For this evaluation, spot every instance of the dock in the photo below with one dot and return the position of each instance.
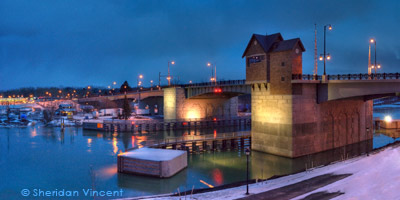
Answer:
(153, 126)
(204, 143)
(160, 163)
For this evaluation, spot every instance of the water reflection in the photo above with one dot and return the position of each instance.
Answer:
(265, 165)
(45, 158)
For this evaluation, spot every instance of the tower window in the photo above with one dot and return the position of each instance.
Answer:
(282, 78)
(283, 64)
(255, 59)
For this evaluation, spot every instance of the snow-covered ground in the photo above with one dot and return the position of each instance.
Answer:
(376, 176)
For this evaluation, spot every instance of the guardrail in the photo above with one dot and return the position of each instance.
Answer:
(379, 76)
(218, 83)
(203, 84)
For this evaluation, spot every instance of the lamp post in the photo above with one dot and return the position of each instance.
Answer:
(325, 55)
(247, 171)
(138, 88)
(114, 83)
(213, 72)
(88, 92)
(375, 65)
(151, 85)
(169, 75)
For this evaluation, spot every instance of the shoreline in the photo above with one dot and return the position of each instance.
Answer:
(269, 185)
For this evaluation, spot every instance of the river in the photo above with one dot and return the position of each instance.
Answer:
(46, 159)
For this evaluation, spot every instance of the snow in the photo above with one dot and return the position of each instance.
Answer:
(376, 176)
(153, 154)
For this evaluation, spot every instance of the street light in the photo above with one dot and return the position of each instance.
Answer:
(247, 151)
(138, 85)
(151, 85)
(213, 72)
(169, 75)
(325, 55)
(373, 41)
(113, 87)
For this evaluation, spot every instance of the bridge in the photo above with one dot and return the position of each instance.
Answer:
(195, 90)
(196, 101)
(345, 86)
(293, 114)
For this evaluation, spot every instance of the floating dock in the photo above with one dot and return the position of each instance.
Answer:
(162, 163)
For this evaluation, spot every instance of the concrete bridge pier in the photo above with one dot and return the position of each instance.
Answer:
(296, 125)
(288, 117)
(178, 107)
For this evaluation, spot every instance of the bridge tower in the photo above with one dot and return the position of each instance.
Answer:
(287, 119)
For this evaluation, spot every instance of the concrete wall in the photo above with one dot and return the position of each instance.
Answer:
(176, 106)
(271, 125)
(328, 125)
(295, 125)
(170, 102)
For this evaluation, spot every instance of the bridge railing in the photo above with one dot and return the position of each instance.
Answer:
(203, 84)
(378, 76)
(218, 83)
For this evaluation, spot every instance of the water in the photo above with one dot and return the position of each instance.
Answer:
(46, 159)
(382, 137)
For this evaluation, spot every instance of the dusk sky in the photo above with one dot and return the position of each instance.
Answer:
(80, 43)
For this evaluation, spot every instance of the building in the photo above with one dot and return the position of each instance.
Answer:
(65, 110)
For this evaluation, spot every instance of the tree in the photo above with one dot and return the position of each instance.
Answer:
(126, 109)
(125, 87)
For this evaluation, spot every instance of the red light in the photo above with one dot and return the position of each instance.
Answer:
(215, 119)
(217, 176)
(133, 123)
(217, 90)
(184, 123)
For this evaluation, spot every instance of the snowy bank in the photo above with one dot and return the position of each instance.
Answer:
(375, 176)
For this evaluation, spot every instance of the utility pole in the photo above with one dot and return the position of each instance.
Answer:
(159, 79)
(315, 52)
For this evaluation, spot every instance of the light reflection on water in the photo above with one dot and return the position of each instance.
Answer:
(45, 158)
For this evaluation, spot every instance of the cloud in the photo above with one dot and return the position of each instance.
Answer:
(53, 42)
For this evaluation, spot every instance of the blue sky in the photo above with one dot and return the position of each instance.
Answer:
(80, 43)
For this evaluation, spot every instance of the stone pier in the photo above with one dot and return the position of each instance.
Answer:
(296, 125)
(178, 107)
